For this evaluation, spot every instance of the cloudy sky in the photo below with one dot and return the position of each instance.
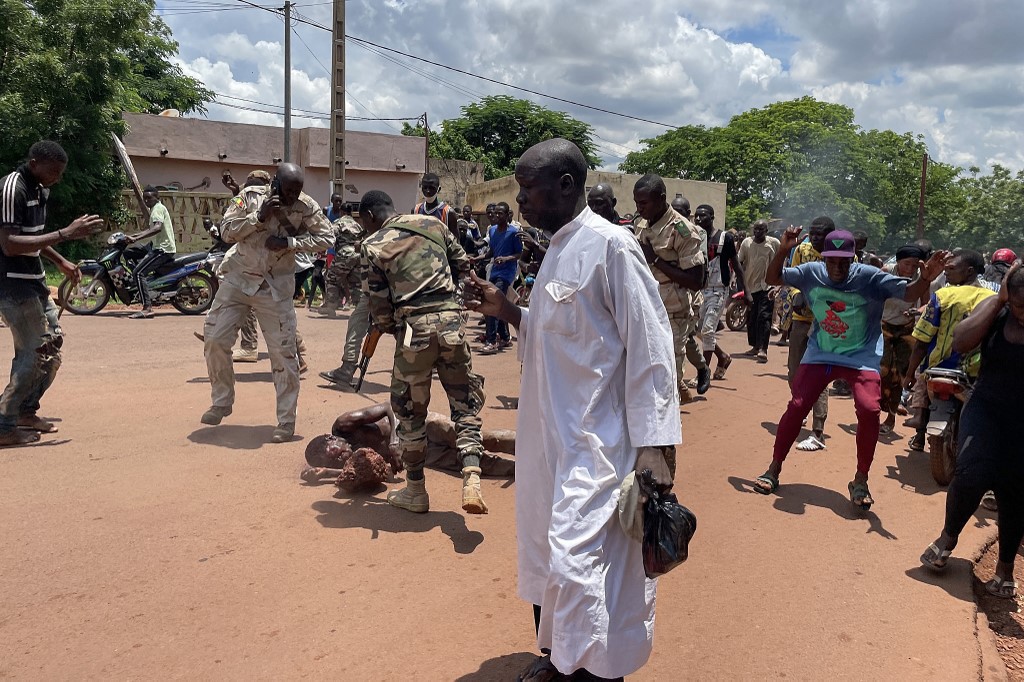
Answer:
(951, 71)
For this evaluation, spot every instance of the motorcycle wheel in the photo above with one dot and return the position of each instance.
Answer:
(736, 315)
(77, 301)
(195, 294)
(943, 455)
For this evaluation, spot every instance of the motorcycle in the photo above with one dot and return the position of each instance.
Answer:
(948, 390)
(736, 312)
(188, 282)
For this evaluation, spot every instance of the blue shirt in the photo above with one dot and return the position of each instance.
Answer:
(505, 244)
(847, 328)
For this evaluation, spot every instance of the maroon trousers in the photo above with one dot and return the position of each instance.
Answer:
(807, 385)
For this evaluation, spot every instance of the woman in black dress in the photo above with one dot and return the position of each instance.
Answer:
(990, 455)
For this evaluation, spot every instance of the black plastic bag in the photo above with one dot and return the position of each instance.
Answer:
(668, 527)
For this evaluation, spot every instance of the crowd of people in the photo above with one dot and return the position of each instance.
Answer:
(652, 286)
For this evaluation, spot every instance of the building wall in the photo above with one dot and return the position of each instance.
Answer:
(697, 192)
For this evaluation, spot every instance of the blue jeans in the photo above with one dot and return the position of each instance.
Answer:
(32, 322)
(497, 329)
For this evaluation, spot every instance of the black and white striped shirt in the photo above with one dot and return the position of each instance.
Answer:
(22, 212)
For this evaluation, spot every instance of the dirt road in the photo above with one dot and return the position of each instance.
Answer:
(139, 544)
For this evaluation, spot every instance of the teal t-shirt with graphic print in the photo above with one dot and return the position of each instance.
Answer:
(847, 328)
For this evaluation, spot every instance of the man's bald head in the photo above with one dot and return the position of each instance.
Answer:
(681, 205)
(290, 179)
(601, 200)
(552, 177)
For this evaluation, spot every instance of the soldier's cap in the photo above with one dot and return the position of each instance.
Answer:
(258, 175)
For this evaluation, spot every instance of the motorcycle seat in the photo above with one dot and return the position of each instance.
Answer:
(180, 261)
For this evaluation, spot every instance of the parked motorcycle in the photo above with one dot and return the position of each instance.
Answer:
(948, 390)
(188, 282)
(736, 312)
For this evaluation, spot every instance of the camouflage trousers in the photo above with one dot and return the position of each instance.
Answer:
(895, 361)
(438, 341)
(343, 281)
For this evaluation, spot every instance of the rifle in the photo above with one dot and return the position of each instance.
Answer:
(367, 351)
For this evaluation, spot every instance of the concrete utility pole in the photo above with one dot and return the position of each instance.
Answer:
(287, 81)
(337, 165)
(426, 147)
(920, 201)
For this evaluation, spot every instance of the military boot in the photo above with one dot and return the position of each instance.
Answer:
(472, 498)
(413, 497)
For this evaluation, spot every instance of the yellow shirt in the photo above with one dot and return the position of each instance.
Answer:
(804, 253)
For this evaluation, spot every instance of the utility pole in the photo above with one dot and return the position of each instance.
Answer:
(920, 201)
(426, 148)
(287, 81)
(337, 161)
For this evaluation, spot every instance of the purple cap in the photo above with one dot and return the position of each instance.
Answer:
(839, 244)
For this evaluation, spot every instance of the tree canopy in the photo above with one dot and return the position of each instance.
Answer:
(68, 69)
(498, 129)
(798, 159)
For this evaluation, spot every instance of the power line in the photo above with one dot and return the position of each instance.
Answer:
(305, 20)
(302, 113)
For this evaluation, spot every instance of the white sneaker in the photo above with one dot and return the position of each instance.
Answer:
(243, 355)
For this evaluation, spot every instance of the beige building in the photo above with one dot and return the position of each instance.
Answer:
(697, 192)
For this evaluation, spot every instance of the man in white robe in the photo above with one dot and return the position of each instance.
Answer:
(598, 400)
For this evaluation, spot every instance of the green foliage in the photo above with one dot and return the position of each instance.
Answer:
(68, 68)
(497, 130)
(993, 211)
(799, 159)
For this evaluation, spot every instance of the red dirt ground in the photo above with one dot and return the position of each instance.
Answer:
(141, 544)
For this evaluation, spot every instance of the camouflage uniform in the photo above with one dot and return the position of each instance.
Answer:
(677, 241)
(255, 277)
(410, 292)
(343, 275)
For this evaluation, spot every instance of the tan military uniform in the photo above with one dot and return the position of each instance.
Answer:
(677, 241)
(253, 276)
(409, 288)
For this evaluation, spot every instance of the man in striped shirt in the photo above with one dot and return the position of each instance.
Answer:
(25, 303)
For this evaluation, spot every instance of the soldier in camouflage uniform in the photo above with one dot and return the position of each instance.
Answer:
(410, 267)
(672, 246)
(267, 226)
(343, 275)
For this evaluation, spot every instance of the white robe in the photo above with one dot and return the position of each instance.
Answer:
(598, 382)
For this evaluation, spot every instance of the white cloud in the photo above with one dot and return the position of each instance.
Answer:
(945, 70)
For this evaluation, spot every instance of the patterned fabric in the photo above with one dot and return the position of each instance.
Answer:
(437, 341)
(899, 342)
(250, 262)
(946, 308)
(405, 273)
(803, 253)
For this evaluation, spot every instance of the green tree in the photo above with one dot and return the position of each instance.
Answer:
(68, 69)
(498, 129)
(802, 158)
(993, 211)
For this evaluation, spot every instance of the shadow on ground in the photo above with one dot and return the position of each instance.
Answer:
(235, 436)
(912, 471)
(505, 667)
(951, 579)
(357, 510)
(795, 498)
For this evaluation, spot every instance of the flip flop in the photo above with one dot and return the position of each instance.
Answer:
(860, 490)
(771, 487)
(541, 670)
(722, 367)
(937, 559)
(1003, 589)
(36, 424)
(810, 444)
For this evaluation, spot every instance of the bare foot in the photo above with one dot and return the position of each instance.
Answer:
(18, 437)
(34, 423)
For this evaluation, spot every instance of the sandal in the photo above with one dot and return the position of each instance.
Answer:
(722, 367)
(810, 444)
(34, 423)
(1003, 589)
(859, 491)
(771, 484)
(935, 558)
(916, 443)
(988, 501)
(541, 670)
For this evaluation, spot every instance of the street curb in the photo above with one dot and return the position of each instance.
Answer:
(993, 668)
